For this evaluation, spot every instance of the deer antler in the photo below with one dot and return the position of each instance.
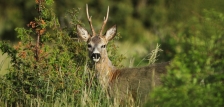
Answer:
(90, 21)
(104, 22)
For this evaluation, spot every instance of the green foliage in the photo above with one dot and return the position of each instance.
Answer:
(44, 73)
(195, 77)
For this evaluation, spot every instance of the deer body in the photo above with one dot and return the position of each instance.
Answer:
(136, 82)
(121, 83)
(129, 82)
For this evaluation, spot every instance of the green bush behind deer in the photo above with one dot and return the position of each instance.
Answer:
(195, 77)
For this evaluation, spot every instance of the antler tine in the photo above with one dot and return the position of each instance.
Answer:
(90, 20)
(104, 22)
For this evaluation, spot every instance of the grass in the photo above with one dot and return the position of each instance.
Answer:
(4, 63)
(133, 54)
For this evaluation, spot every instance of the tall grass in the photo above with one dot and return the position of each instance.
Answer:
(4, 63)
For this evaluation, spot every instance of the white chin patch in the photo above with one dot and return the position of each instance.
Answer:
(96, 60)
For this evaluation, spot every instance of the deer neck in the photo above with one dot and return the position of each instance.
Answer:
(104, 70)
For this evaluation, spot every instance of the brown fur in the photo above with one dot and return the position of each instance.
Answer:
(136, 82)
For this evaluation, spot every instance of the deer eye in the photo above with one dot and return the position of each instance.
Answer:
(103, 46)
(89, 46)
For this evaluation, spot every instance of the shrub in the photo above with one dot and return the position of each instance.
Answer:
(195, 77)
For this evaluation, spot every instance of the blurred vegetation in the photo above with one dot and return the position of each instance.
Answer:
(190, 33)
(142, 22)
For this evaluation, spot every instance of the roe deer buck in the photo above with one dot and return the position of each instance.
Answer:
(119, 82)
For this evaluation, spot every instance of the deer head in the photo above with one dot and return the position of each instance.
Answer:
(96, 42)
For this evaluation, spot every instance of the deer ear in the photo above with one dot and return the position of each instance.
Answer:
(111, 33)
(82, 33)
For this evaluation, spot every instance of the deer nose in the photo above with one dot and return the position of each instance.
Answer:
(96, 57)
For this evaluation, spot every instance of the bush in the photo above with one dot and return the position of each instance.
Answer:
(195, 77)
